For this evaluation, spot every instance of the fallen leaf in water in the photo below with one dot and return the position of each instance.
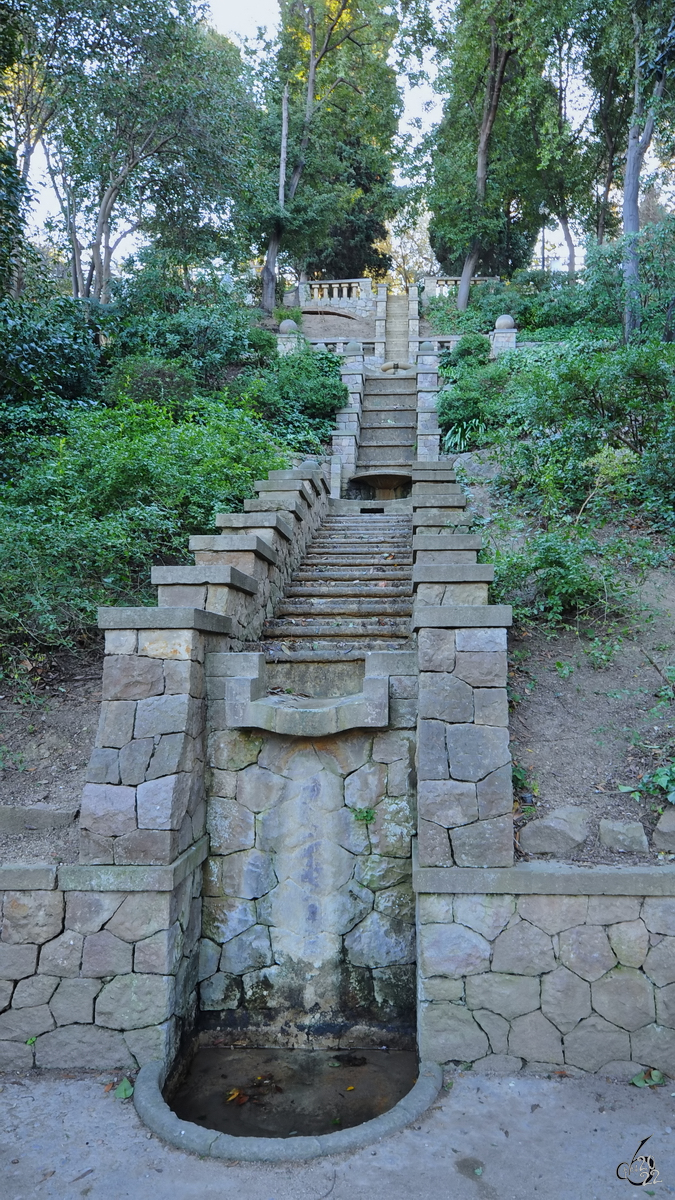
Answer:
(350, 1089)
(47, 1175)
(241, 1098)
(109, 1086)
(83, 1175)
(232, 1095)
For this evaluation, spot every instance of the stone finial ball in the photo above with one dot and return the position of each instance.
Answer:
(353, 347)
(505, 322)
(427, 348)
(288, 326)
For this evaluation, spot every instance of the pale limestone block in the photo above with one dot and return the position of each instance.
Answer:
(171, 643)
(233, 749)
(345, 753)
(209, 957)
(103, 955)
(595, 1042)
(484, 844)
(433, 845)
(654, 1045)
(488, 915)
(17, 961)
(140, 915)
(39, 989)
(107, 810)
(116, 723)
(249, 951)
(440, 988)
(134, 1001)
(393, 827)
(31, 916)
(476, 750)
(623, 836)
(553, 913)
(380, 941)
(83, 1046)
(129, 677)
(482, 668)
(258, 789)
(565, 998)
(493, 639)
(444, 697)
(495, 793)
(396, 902)
(449, 1032)
(659, 964)
(434, 909)
(436, 649)
(153, 1043)
(230, 825)
(73, 1002)
(664, 834)
(162, 803)
(14, 1056)
(452, 950)
(610, 910)
(376, 871)
(62, 956)
(120, 641)
(365, 787)
(658, 914)
(536, 1039)
(391, 747)
(491, 706)
(290, 757)
(225, 918)
(496, 1028)
(6, 989)
(160, 954)
(630, 942)
(432, 753)
(586, 951)
(523, 949)
(509, 995)
(625, 997)
(448, 802)
(19, 1024)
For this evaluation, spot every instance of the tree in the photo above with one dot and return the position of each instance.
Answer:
(12, 190)
(332, 103)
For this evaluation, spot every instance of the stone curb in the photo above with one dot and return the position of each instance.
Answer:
(164, 618)
(547, 879)
(156, 1114)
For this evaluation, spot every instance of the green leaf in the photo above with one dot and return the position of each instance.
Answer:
(124, 1090)
(31, 1041)
(639, 1080)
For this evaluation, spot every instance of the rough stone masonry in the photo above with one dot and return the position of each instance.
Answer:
(324, 855)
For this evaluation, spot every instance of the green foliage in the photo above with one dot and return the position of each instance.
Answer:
(550, 578)
(160, 381)
(296, 395)
(48, 364)
(126, 486)
(468, 405)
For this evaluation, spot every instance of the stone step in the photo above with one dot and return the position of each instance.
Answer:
(354, 573)
(402, 385)
(372, 458)
(384, 436)
(376, 627)
(318, 606)
(422, 473)
(331, 588)
(357, 559)
(399, 418)
(337, 646)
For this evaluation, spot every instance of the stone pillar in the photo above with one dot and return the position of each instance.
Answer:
(428, 432)
(413, 323)
(503, 337)
(345, 440)
(380, 321)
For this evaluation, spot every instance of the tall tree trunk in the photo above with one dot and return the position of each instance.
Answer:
(499, 57)
(571, 262)
(639, 139)
(269, 272)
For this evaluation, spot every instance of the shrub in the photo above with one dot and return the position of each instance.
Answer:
(156, 380)
(551, 577)
(125, 487)
(296, 395)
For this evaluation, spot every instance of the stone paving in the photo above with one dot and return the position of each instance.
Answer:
(489, 1138)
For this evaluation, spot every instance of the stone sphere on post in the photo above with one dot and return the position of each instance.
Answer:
(288, 326)
(505, 322)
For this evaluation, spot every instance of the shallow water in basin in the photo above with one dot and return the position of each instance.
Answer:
(281, 1093)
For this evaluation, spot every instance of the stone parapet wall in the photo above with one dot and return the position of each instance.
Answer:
(98, 965)
(586, 983)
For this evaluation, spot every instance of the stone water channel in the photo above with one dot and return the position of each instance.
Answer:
(297, 830)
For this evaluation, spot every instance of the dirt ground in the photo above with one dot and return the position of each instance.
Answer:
(47, 730)
(586, 714)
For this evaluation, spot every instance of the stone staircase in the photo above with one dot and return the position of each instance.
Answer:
(396, 330)
(351, 594)
(388, 424)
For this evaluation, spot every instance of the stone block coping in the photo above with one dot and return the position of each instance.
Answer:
(205, 573)
(265, 520)
(461, 616)
(157, 1116)
(425, 472)
(82, 877)
(447, 541)
(442, 500)
(547, 879)
(247, 543)
(164, 618)
(452, 573)
(290, 507)
(39, 877)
